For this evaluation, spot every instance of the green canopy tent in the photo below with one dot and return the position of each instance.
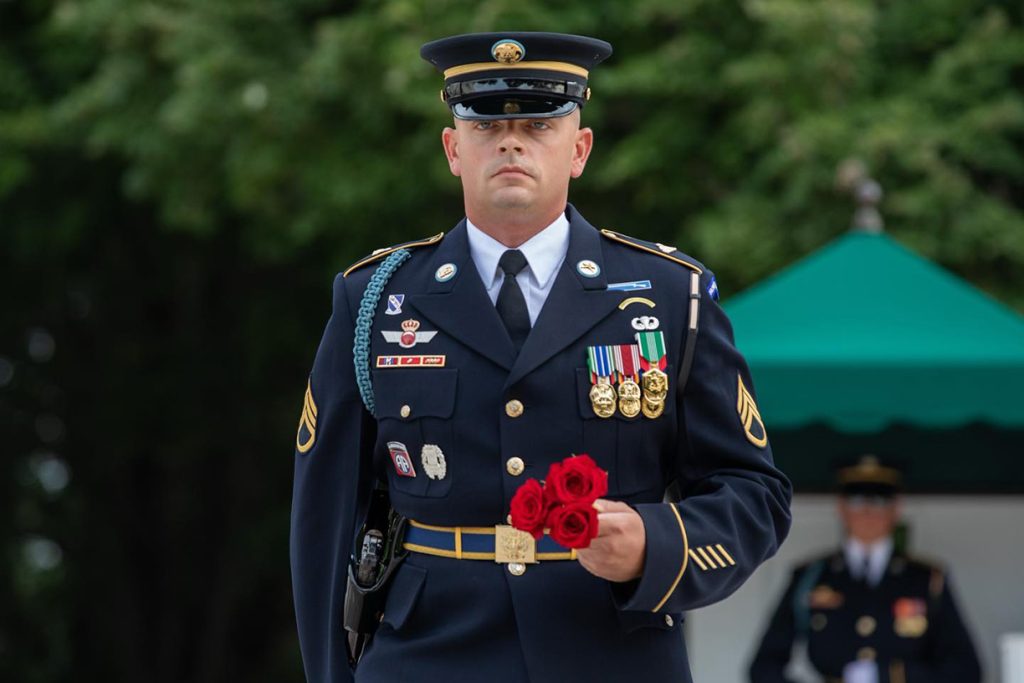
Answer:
(863, 346)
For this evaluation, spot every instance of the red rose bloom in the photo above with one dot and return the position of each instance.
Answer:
(575, 479)
(528, 510)
(573, 525)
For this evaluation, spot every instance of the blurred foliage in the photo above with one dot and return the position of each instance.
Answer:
(180, 179)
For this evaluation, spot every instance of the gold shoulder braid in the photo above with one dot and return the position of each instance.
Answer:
(378, 254)
(662, 250)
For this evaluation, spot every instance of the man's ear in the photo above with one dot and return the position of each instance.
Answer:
(450, 140)
(581, 150)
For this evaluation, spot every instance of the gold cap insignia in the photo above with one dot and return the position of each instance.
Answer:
(869, 470)
(750, 417)
(512, 108)
(306, 435)
(508, 51)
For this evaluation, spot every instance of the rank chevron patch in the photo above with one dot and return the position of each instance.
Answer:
(750, 417)
(306, 435)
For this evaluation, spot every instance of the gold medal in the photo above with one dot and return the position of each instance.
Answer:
(629, 398)
(655, 385)
(602, 399)
(653, 409)
(602, 393)
(655, 381)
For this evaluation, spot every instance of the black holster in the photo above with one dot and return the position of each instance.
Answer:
(367, 586)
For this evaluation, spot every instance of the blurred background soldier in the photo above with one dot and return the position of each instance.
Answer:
(867, 612)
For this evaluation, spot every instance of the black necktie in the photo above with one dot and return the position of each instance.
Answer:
(511, 302)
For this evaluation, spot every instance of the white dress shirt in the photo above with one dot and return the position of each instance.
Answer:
(544, 254)
(877, 555)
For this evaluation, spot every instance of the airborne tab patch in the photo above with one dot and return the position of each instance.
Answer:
(750, 417)
(306, 436)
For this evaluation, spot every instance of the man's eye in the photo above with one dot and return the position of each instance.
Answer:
(539, 125)
(484, 125)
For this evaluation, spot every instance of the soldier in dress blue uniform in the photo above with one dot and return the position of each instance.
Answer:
(869, 613)
(458, 366)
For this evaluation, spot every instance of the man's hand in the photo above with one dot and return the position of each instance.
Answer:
(617, 554)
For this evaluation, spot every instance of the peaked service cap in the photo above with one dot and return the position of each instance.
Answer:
(870, 476)
(515, 75)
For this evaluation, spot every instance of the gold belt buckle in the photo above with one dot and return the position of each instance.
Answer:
(512, 546)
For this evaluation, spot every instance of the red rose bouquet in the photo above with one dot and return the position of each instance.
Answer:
(528, 511)
(564, 504)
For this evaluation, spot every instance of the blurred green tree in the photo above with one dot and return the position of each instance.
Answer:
(179, 181)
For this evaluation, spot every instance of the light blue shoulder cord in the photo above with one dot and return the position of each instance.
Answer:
(364, 324)
(801, 608)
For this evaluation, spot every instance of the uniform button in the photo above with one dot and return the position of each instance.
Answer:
(515, 466)
(405, 411)
(516, 568)
(669, 621)
(865, 626)
(514, 408)
(866, 653)
(819, 622)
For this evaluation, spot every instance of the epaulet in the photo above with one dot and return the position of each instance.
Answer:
(935, 571)
(656, 248)
(378, 254)
(925, 563)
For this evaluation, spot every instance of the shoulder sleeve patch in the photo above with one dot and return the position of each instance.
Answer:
(378, 254)
(306, 436)
(662, 250)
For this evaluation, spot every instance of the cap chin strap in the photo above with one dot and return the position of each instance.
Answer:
(466, 112)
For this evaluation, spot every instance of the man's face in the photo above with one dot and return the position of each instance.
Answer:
(517, 164)
(869, 518)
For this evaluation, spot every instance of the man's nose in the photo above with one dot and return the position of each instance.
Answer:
(510, 142)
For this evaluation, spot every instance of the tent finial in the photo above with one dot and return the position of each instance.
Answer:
(852, 176)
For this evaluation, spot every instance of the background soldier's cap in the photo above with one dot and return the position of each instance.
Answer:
(516, 74)
(871, 477)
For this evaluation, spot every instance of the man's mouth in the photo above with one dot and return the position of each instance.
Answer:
(511, 169)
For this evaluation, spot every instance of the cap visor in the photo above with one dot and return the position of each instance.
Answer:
(512, 108)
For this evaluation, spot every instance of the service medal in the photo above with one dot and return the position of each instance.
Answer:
(653, 361)
(602, 398)
(653, 410)
(602, 394)
(627, 364)
(655, 385)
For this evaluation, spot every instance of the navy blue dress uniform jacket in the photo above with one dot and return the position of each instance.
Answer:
(470, 620)
(908, 623)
